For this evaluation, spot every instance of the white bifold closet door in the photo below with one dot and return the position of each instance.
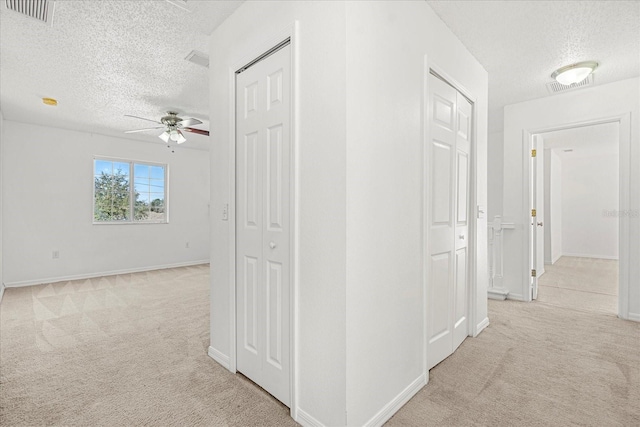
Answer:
(448, 182)
(263, 224)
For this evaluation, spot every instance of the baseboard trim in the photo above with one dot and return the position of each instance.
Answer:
(103, 273)
(481, 326)
(515, 297)
(592, 256)
(306, 420)
(497, 294)
(634, 317)
(219, 357)
(397, 402)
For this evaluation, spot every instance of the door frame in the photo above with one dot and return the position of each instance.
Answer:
(624, 242)
(533, 230)
(472, 290)
(256, 50)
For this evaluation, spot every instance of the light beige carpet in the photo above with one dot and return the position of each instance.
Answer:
(131, 350)
(589, 284)
(121, 351)
(536, 365)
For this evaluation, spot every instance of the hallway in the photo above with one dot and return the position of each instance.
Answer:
(589, 284)
(535, 365)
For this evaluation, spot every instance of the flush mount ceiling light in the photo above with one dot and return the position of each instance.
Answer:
(574, 73)
(50, 101)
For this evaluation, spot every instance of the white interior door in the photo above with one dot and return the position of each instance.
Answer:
(540, 208)
(263, 224)
(537, 212)
(463, 175)
(448, 171)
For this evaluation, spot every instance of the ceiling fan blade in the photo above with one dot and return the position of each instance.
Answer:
(143, 130)
(188, 122)
(198, 131)
(142, 118)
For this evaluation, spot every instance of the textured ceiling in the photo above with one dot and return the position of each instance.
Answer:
(104, 59)
(520, 43)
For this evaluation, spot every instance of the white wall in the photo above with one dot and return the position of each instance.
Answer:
(553, 207)
(494, 173)
(547, 206)
(360, 84)
(1, 199)
(594, 103)
(48, 202)
(386, 45)
(321, 156)
(589, 188)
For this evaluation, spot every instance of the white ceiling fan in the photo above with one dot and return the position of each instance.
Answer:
(173, 127)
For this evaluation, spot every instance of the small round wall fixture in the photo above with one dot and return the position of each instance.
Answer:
(574, 73)
(50, 101)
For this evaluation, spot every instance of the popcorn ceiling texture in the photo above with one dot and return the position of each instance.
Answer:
(520, 43)
(104, 59)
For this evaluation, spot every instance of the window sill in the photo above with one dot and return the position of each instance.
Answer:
(128, 223)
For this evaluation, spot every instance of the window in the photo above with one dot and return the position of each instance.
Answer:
(129, 192)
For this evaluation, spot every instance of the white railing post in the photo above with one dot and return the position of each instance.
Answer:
(496, 258)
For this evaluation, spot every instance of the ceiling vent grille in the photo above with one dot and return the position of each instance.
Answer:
(42, 10)
(555, 87)
(199, 58)
(181, 4)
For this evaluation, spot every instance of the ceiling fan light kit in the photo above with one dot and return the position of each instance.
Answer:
(173, 135)
(164, 136)
(574, 73)
(173, 127)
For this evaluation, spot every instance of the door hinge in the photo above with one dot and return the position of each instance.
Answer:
(533, 152)
(533, 212)
(533, 273)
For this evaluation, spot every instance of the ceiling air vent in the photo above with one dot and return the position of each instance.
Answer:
(555, 87)
(42, 10)
(198, 57)
(181, 4)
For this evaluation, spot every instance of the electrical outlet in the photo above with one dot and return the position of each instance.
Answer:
(55, 254)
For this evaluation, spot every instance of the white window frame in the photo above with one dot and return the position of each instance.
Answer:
(132, 164)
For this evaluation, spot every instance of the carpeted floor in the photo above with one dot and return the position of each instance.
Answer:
(121, 351)
(132, 350)
(589, 284)
(536, 365)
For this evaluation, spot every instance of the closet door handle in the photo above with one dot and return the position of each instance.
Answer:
(272, 245)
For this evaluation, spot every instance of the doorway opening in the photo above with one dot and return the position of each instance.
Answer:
(575, 228)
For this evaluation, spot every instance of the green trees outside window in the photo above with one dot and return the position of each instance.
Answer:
(117, 196)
